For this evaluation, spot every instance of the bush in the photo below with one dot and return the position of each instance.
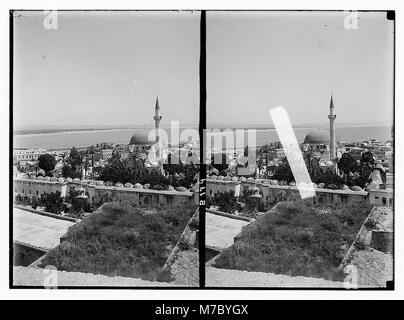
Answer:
(226, 201)
(53, 202)
(370, 224)
(194, 224)
(34, 202)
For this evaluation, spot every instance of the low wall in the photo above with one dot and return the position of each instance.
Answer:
(98, 194)
(142, 196)
(272, 194)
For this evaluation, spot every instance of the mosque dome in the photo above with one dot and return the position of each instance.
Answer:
(317, 137)
(141, 138)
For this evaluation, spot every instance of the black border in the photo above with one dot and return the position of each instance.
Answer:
(202, 171)
(390, 15)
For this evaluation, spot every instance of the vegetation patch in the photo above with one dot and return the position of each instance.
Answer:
(296, 239)
(122, 240)
(249, 204)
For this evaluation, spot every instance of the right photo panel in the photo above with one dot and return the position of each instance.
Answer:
(300, 149)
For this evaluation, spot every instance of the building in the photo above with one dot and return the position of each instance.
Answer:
(317, 141)
(21, 155)
(103, 154)
(382, 197)
(320, 142)
(141, 140)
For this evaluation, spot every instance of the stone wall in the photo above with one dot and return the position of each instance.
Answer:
(215, 186)
(30, 188)
(98, 194)
(272, 194)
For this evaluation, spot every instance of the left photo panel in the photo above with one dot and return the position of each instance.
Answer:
(105, 149)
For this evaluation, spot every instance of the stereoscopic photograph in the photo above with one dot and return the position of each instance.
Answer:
(105, 148)
(300, 149)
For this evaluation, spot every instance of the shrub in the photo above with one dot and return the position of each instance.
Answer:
(226, 201)
(359, 245)
(183, 245)
(194, 224)
(34, 202)
(370, 224)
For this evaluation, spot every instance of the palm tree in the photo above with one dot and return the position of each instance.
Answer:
(263, 154)
(90, 151)
(135, 164)
(312, 163)
(85, 165)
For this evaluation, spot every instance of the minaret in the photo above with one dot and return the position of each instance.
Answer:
(157, 119)
(332, 116)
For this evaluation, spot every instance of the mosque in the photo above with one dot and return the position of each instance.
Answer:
(140, 140)
(322, 143)
(142, 143)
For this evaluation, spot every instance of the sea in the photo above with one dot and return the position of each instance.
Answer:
(67, 139)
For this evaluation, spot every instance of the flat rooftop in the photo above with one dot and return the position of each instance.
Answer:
(38, 231)
(220, 231)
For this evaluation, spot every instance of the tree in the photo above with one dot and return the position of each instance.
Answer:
(226, 201)
(312, 163)
(46, 162)
(67, 172)
(263, 155)
(367, 159)
(90, 152)
(85, 164)
(115, 171)
(78, 204)
(252, 204)
(34, 202)
(156, 178)
(283, 172)
(75, 159)
(330, 177)
(221, 162)
(347, 164)
(53, 202)
(135, 165)
(366, 166)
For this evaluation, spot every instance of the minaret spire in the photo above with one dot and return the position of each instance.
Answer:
(157, 118)
(332, 116)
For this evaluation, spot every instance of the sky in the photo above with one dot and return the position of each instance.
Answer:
(257, 61)
(105, 68)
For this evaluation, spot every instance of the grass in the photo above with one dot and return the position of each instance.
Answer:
(122, 240)
(297, 240)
